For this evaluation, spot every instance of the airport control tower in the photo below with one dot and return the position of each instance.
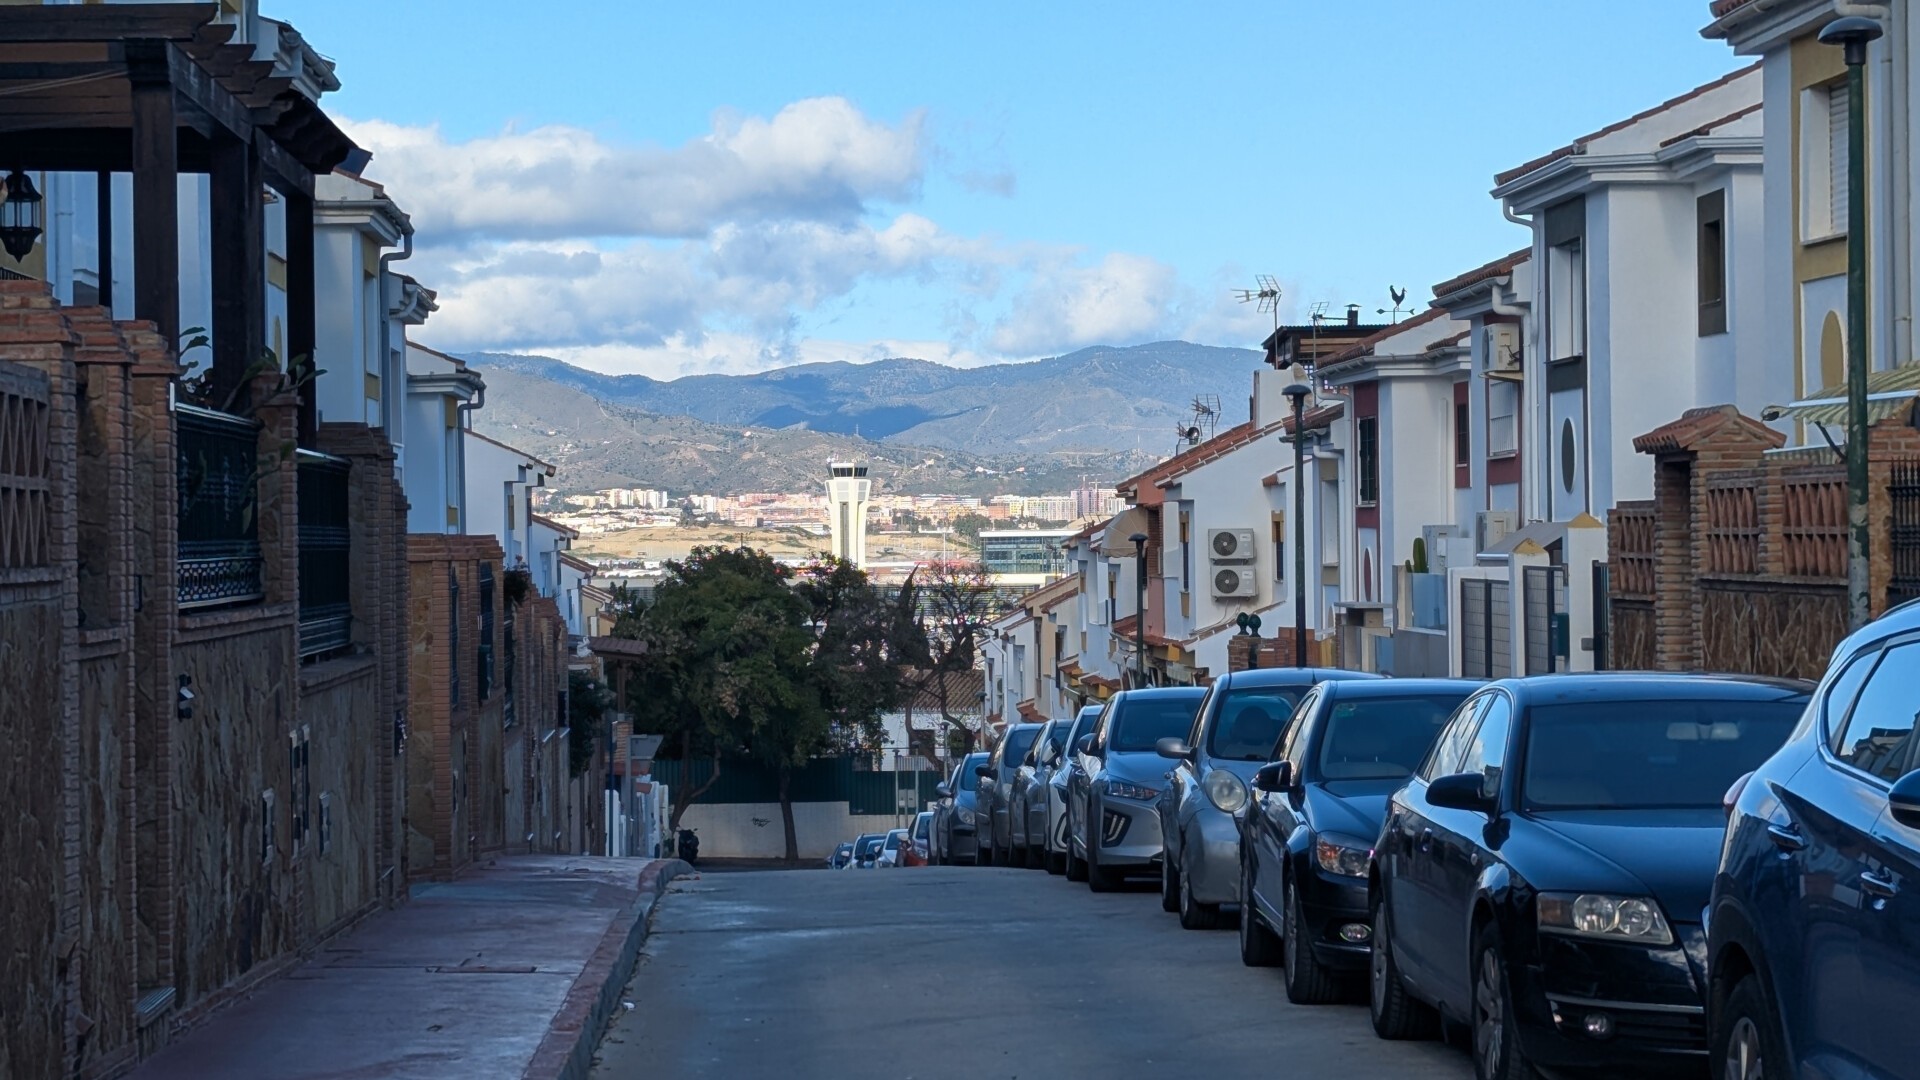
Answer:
(848, 493)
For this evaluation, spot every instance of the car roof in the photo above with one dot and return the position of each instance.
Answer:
(1897, 620)
(1159, 693)
(1022, 727)
(979, 754)
(896, 832)
(1654, 686)
(1387, 688)
(1292, 676)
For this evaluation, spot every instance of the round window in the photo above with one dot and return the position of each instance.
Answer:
(1566, 455)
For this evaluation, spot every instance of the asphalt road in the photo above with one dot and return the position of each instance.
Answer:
(972, 974)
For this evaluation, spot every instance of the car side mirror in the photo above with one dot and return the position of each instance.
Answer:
(1274, 777)
(942, 790)
(1462, 791)
(1904, 800)
(1084, 744)
(1174, 747)
(984, 772)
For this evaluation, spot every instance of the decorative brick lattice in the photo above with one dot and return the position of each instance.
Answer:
(1632, 556)
(1814, 530)
(23, 468)
(1732, 527)
(1904, 488)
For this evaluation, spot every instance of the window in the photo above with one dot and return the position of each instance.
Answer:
(1280, 546)
(1146, 721)
(1113, 593)
(1186, 550)
(1824, 166)
(1251, 722)
(1486, 752)
(1879, 733)
(1368, 437)
(1841, 695)
(1462, 435)
(1567, 282)
(453, 639)
(1639, 754)
(1503, 417)
(485, 656)
(1444, 759)
(1381, 738)
(1710, 212)
(299, 790)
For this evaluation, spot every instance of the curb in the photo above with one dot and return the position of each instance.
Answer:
(566, 1053)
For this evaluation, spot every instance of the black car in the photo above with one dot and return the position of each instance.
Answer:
(1305, 841)
(841, 856)
(1813, 934)
(1541, 878)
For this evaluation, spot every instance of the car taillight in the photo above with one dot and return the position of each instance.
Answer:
(1732, 797)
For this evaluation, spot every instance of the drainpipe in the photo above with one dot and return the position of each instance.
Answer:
(1536, 396)
(387, 259)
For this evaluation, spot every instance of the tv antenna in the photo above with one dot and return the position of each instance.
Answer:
(1267, 296)
(1399, 296)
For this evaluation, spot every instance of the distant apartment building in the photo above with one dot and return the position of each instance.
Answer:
(1023, 556)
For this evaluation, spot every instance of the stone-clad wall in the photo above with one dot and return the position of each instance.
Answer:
(340, 706)
(32, 863)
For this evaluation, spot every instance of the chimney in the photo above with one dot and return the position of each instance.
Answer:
(1353, 314)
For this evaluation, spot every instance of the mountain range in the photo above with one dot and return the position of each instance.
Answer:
(923, 427)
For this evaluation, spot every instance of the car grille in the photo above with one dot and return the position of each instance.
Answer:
(1113, 827)
(1662, 1030)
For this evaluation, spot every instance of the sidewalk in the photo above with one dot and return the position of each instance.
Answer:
(508, 972)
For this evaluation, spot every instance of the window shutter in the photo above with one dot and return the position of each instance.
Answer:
(1837, 159)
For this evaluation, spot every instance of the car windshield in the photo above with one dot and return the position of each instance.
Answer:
(1145, 721)
(1018, 740)
(1621, 755)
(1382, 738)
(920, 826)
(893, 841)
(870, 846)
(1250, 721)
(970, 780)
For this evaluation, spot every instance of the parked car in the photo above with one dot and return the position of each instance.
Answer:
(916, 853)
(957, 818)
(1028, 815)
(841, 856)
(1234, 733)
(866, 850)
(1305, 839)
(897, 840)
(1813, 931)
(1542, 877)
(996, 793)
(1117, 774)
(1056, 827)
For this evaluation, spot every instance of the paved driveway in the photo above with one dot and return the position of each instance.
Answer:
(966, 973)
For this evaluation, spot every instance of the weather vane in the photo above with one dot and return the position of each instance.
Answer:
(1399, 296)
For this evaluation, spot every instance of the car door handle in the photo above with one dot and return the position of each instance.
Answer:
(1786, 837)
(1876, 886)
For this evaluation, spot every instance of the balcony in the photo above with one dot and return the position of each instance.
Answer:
(326, 550)
(219, 539)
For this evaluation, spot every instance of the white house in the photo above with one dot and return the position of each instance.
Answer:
(440, 391)
(500, 481)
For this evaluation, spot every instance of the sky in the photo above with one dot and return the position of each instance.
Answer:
(675, 188)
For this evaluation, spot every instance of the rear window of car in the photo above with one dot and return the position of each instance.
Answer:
(870, 846)
(1619, 755)
(1144, 722)
(1383, 738)
(1250, 721)
(1017, 743)
(893, 841)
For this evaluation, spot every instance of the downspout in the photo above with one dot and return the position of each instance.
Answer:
(1530, 502)
(387, 259)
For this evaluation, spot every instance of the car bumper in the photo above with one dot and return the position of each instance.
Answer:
(1333, 909)
(1127, 831)
(1649, 997)
(1056, 821)
(962, 843)
(1210, 857)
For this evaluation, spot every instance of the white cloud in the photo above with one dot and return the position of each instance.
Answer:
(1122, 298)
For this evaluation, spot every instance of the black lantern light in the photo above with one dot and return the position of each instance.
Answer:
(21, 215)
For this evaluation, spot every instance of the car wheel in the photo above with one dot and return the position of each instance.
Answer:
(1746, 1036)
(1076, 867)
(1396, 1014)
(983, 852)
(1258, 946)
(1496, 1043)
(1195, 915)
(1169, 886)
(1309, 982)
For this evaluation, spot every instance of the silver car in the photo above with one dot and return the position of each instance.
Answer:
(1117, 774)
(1233, 734)
(1028, 815)
(956, 820)
(996, 794)
(1056, 804)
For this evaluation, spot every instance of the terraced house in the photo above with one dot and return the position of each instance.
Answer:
(218, 473)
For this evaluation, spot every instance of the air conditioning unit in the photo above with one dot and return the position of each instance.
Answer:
(1492, 526)
(1504, 355)
(1235, 581)
(1440, 541)
(1226, 546)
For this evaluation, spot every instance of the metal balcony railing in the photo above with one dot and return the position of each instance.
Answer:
(218, 479)
(326, 555)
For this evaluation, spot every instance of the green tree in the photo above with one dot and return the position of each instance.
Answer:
(588, 702)
(970, 525)
(952, 604)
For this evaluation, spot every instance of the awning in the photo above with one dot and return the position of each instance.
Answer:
(1888, 392)
(1124, 524)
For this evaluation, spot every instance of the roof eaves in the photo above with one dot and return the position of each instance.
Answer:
(1579, 146)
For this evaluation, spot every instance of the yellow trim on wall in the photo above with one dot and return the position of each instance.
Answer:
(451, 412)
(369, 256)
(372, 386)
(276, 271)
(1812, 64)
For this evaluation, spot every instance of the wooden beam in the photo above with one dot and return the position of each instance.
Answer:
(284, 171)
(236, 216)
(103, 240)
(156, 210)
(300, 304)
(105, 22)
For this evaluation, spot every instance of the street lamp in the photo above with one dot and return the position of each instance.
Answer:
(1852, 35)
(1139, 608)
(1297, 393)
(21, 215)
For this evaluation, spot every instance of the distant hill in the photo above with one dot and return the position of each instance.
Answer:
(596, 444)
(1095, 401)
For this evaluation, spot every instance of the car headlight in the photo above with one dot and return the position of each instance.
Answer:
(965, 815)
(1225, 790)
(1336, 855)
(1618, 918)
(1123, 790)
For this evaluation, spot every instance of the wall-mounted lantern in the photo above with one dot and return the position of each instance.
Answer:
(21, 215)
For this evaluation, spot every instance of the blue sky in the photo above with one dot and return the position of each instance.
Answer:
(729, 187)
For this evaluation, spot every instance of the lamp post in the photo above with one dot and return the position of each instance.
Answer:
(1139, 609)
(1298, 393)
(1852, 35)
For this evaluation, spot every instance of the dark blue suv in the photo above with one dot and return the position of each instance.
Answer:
(1813, 931)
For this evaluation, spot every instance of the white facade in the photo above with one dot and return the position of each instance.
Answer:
(849, 492)
(440, 391)
(500, 481)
